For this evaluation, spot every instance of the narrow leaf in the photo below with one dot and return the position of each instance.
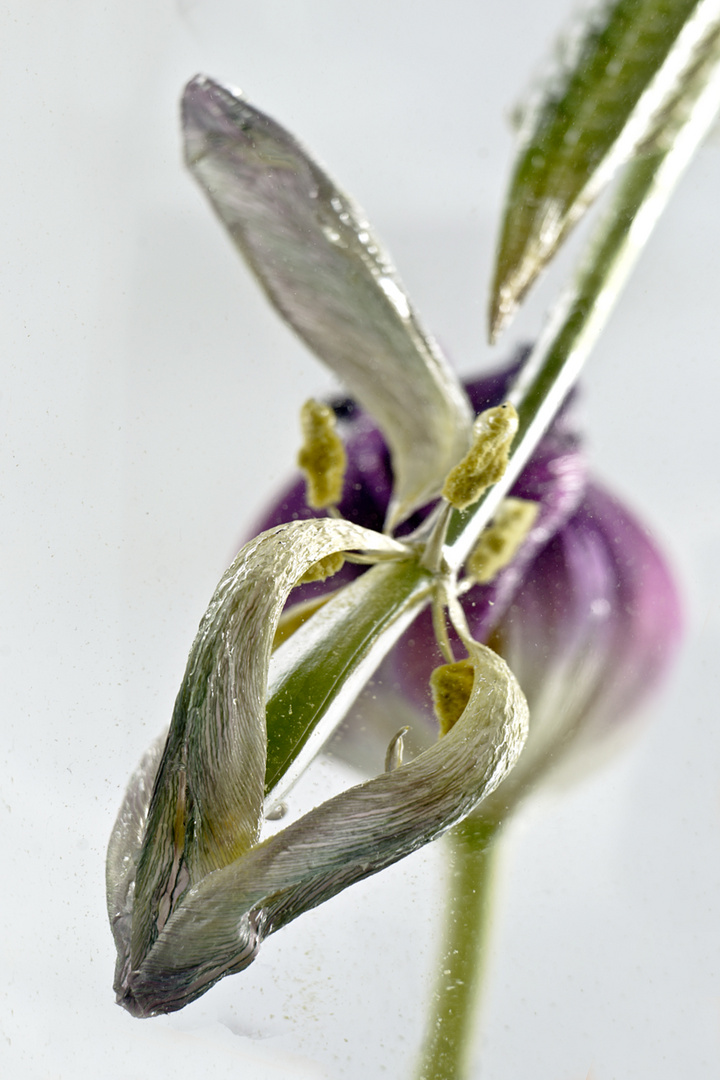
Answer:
(644, 189)
(316, 675)
(633, 64)
(221, 922)
(313, 253)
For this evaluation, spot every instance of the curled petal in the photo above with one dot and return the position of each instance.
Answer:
(207, 796)
(123, 850)
(330, 280)
(218, 927)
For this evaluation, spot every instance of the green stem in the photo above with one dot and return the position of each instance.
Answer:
(453, 1017)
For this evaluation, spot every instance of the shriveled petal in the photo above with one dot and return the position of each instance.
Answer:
(207, 798)
(329, 278)
(222, 921)
(631, 70)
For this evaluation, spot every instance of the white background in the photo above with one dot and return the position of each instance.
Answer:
(149, 404)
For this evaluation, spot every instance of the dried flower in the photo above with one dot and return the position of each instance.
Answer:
(563, 582)
(192, 889)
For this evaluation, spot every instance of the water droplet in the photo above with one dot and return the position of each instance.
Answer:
(396, 296)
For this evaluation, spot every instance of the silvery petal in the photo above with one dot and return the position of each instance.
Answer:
(328, 277)
(206, 803)
(124, 850)
(221, 922)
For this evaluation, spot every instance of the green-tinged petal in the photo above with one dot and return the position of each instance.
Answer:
(635, 62)
(331, 281)
(219, 925)
(207, 799)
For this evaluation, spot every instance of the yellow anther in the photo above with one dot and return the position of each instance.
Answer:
(451, 686)
(323, 568)
(322, 455)
(499, 543)
(487, 459)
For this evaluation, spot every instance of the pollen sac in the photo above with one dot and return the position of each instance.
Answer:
(487, 459)
(323, 568)
(500, 542)
(322, 456)
(451, 686)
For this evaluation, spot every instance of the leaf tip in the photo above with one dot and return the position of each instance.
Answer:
(500, 312)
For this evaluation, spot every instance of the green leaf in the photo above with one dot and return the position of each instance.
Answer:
(220, 923)
(552, 368)
(633, 66)
(329, 278)
(313, 681)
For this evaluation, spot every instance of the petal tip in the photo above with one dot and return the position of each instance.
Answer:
(208, 108)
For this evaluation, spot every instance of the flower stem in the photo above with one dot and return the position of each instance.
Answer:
(448, 1041)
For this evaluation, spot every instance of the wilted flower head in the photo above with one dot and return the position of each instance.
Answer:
(563, 583)
(587, 614)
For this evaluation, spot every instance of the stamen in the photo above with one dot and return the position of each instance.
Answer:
(322, 456)
(451, 686)
(440, 629)
(323, 568)
(487, 459)
(501, 540)
(394, 755)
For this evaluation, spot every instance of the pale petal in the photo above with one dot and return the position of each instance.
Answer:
(206, 804)
(221, 922)
(124, 850)
(330, 280)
